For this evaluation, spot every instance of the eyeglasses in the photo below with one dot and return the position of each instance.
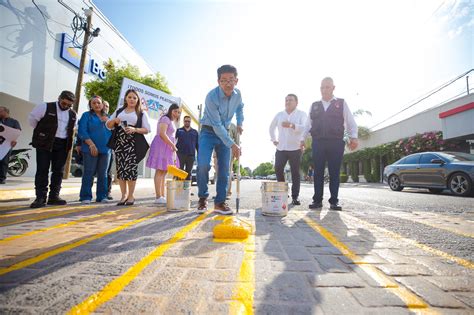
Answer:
(233, 81)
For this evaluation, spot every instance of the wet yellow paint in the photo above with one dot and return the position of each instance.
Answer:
(242, 299)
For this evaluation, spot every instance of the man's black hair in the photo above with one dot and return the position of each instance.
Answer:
(226, 69)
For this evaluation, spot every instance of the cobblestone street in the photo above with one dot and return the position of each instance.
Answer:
(385, 253)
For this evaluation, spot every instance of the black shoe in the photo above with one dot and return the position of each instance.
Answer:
(296, 202)
(316, 205)
(109, 197)
(335, 206)
(122, 202)
(2, 181)
(56, 201)
(38, 203)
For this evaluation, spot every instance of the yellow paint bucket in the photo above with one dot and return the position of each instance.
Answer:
(274, 198)
(178, 195)
(177, 172)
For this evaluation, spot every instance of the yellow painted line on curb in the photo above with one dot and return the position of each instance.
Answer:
(48, 216)
(62, 225)
(414, 303)
(114, 287)
(26, 192)
(460, 261)
(242, 299)
(34, 260)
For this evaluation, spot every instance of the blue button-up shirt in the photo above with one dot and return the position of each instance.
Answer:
(187, 141)
(93, 128)
(220, 110)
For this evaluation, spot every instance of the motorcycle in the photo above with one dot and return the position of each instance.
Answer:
(17, 164)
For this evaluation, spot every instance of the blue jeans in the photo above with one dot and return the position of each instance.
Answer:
(209, 141)
(330, 151)
(94, 165)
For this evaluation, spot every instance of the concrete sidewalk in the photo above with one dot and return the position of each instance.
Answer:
(23, 188)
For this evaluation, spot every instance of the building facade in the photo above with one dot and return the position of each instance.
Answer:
(37, 61)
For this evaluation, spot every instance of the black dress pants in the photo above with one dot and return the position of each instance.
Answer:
(4, 166)
(294, 157)
(328, 151)
(186, 163)
(55, 160)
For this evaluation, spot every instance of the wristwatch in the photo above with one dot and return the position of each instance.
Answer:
(292, 126)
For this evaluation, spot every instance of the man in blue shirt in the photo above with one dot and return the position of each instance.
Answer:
(221, 104)
(6, 120)
(187, 144)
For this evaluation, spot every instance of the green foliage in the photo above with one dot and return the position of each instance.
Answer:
(109, 89)
(355, 171)
(343, 177)
(264, 169)
(393, 151)
(247, 170)
(306, 158)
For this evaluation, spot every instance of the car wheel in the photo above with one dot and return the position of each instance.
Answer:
(394, 183)
(460, 184)
(435, 190)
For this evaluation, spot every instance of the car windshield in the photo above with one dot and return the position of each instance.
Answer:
(457, 156)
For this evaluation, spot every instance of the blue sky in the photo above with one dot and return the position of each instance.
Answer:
(381, 54)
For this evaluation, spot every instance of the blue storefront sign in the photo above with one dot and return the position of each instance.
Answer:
(73, 55)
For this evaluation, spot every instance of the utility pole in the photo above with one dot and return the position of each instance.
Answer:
(200, 114)
(80, 75)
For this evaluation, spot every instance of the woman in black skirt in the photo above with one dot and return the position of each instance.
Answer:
(130, 124)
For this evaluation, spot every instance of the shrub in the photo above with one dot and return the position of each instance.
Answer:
(343, 177)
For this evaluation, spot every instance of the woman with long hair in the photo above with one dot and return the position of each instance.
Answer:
(130, 124)
(163, 150)
(95, 153)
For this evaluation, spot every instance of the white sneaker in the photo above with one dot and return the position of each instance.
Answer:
(160, 201)
(85, 202)
(103, 201)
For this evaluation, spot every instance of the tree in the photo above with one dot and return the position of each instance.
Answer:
(264, 169)
(248, 171)
(109, 88)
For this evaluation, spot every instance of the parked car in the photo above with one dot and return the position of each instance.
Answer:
(212, 175)
(433, 170)
(272, 177)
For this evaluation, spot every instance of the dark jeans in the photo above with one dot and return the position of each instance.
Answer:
(186, 163)
(4, 166)
(294, 157)
(330, 151)
(109, 174)
(54, 159)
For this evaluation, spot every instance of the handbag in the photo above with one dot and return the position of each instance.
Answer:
(141, 145)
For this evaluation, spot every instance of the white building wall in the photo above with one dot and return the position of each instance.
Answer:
(423, 122)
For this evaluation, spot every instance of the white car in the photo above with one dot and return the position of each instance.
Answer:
(212, 175)
(272, 177)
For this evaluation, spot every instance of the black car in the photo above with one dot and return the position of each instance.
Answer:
(433, 170)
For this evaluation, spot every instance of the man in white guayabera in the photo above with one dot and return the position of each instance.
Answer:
(291, 126)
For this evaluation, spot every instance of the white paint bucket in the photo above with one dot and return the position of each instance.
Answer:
(178, 195)
(274, 198)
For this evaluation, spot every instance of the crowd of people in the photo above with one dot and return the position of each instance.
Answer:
(103, 138)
